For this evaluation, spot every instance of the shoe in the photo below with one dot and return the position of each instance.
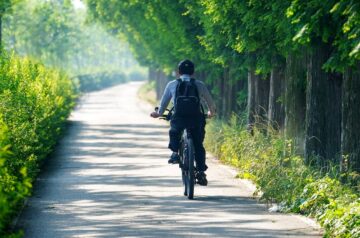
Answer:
(174, 158)
(201, 178)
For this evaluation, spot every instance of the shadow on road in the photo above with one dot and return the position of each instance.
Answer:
(113, 181)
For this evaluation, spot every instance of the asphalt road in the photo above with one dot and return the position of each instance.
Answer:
(109, 177)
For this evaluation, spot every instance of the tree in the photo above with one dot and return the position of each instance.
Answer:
(5, 7)
(56, 34)
(321, 29)
(303, 47)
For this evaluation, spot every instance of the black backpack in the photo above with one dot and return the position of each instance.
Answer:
(187, 100)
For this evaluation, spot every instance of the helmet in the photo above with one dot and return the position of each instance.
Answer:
(186, 67)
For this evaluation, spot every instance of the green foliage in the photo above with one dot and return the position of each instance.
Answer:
(57, 34)
(44, 29)
(13, 188)
(93, 82)
(281, 175)
(35, 103)
(5, 5)
(335, 22)
(147, 93)
(212, 31)
(160, 33)
(136, 75)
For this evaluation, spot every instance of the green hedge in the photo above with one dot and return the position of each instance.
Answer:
(34, 105)
(281, 176)
(93, 82)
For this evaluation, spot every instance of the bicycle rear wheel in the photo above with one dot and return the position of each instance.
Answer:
(183, 166)
(191, 169)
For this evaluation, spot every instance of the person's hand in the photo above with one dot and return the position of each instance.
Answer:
(154, 114)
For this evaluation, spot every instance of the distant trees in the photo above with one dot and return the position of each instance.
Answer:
(55, 33)
(5, 6)
(297, 61)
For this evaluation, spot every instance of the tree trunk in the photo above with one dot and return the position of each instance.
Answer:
(323, 111)
(222, 98)
(350, 137)
(228, 94)
(161, 80)
(236, 89)
(276, 113)
(157, 85)
(217, 90)
(315, 147)
(333, 118)
(295, 99)
(240, 91)
(251, 99)
(152, 74)
(262, 88)
(201, 75)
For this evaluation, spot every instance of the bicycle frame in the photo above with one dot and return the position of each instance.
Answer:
(187, 163)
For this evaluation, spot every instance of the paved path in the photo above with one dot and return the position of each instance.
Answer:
(109, 178)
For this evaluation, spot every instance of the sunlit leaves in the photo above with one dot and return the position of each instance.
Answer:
(222, 27)
(35, 103)
(281, 175)
(336, 22)
(355, 52)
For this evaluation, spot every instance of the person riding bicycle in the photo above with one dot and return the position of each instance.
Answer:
(179, 121)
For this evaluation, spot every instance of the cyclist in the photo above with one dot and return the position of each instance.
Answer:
(178, 123)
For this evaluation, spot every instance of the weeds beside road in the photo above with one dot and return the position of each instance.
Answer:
(281, 175)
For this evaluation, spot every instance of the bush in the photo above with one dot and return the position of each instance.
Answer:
(35, 102)
(98, 81)
(282, 176)
(147, 92)
(137, 76)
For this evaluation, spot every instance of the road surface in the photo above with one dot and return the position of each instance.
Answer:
(109, 177)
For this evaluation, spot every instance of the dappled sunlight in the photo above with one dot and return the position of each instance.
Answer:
(110, 178)
(277, 84)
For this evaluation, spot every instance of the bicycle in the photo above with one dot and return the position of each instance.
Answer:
(187, 159)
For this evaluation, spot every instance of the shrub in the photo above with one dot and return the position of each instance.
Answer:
(34, 104)
(282, 176)
(93, 82)
(137, 76)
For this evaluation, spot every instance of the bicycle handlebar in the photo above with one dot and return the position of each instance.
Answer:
(168, 116)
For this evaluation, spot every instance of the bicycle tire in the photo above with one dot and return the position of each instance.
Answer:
(182, 166)
(191, 169)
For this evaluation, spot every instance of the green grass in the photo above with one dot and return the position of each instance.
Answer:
(147, 92)
(282, 176)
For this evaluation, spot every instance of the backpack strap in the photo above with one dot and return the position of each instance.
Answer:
(177, 88)
(192, 81)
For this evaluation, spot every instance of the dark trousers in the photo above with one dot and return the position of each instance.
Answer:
(197, 130)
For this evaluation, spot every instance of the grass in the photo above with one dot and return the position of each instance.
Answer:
(147, 93)
(270, 161)
(281, 175)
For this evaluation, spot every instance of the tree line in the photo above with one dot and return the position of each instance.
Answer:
(56, 33)
(291, 64)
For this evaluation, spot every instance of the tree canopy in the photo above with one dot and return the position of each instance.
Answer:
(160, 32)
